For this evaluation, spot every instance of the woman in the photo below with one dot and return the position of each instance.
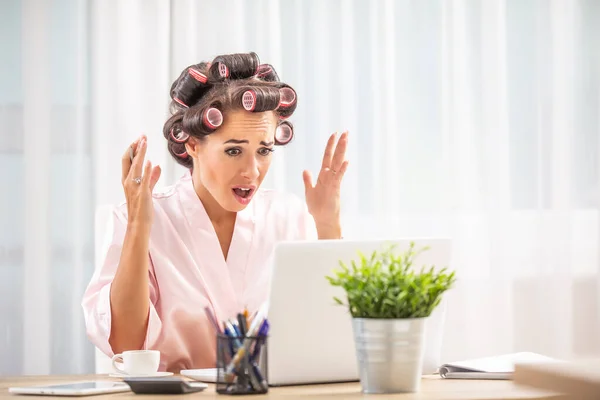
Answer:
(207, 240)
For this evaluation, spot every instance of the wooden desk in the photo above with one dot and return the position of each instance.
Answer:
(579, 378)
(432, 387)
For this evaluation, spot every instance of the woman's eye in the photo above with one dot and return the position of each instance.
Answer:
(265, 151)
(233, 152)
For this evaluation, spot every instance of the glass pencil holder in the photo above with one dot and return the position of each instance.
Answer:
(242, 365)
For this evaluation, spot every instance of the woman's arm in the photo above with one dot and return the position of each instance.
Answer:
(129, 294)
(329, 231)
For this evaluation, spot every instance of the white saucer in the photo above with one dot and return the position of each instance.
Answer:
(154, 375)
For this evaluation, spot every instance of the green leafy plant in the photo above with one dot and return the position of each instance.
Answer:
(387, 286)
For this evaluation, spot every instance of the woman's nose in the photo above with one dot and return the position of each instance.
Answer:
(251, 170)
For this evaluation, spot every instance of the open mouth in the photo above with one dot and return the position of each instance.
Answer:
(243, 194)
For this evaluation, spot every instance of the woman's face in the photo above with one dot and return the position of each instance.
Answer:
(231, 163)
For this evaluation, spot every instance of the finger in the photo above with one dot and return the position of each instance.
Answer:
(340, 174)
(340, 152)
(307, 177)
(138, 160)
(154, 175)
(147, 171)
(328, 151)
(126, 160)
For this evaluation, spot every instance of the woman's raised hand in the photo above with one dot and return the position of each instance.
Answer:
(323, 198)
(138, 182)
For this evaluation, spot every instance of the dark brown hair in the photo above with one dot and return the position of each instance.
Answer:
(221, 85)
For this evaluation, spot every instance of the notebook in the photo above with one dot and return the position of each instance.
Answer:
(495, 367)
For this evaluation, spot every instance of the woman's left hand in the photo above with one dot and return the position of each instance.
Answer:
(323, 199)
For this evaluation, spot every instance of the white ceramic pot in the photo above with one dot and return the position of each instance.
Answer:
(389, 354)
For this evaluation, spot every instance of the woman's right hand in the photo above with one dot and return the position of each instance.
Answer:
(138, 184)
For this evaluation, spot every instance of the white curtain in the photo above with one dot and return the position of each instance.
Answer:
(475, 120)
(46, 176)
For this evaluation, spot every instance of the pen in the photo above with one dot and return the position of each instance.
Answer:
(254, 375)
(257, 381)
(235, 328)
(232, 332)
(231, 345)
(261, 380)
(262, 335)
(242, 324)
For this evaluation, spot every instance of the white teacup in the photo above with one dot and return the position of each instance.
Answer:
(137, 362)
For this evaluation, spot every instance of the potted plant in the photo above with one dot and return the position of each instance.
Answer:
(389, 302)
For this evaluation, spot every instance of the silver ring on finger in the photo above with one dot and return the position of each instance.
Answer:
(137, 180)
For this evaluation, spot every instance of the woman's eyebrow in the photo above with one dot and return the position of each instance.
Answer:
(237, 141)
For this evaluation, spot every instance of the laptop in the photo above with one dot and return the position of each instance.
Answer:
(310, 338)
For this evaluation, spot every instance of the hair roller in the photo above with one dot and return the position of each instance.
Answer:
(179, 150)
(182, 155)
(212, 118)
(257, 98)
(234, 66)
(267, 73)
(191, 85)
(197, 75)
(287, 101)
(180, 102)
(284, 133)
(287, 97)
(249, 100)
(223, 70)
(180, 136)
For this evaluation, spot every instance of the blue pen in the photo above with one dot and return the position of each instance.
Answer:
(261, 380)
(236, 329)
(233, 333)
(228, 333)
(262, 334)
(256, 379)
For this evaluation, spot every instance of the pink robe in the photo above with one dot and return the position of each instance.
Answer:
(188, 271)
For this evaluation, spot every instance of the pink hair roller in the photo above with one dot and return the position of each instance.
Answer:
(284, 133)
(181, 136)
(223, 70)
(213, 118)
(263, 70)
(182, 155)
(197, 75)
(287, 97)
(249, 100)
(180, 102)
